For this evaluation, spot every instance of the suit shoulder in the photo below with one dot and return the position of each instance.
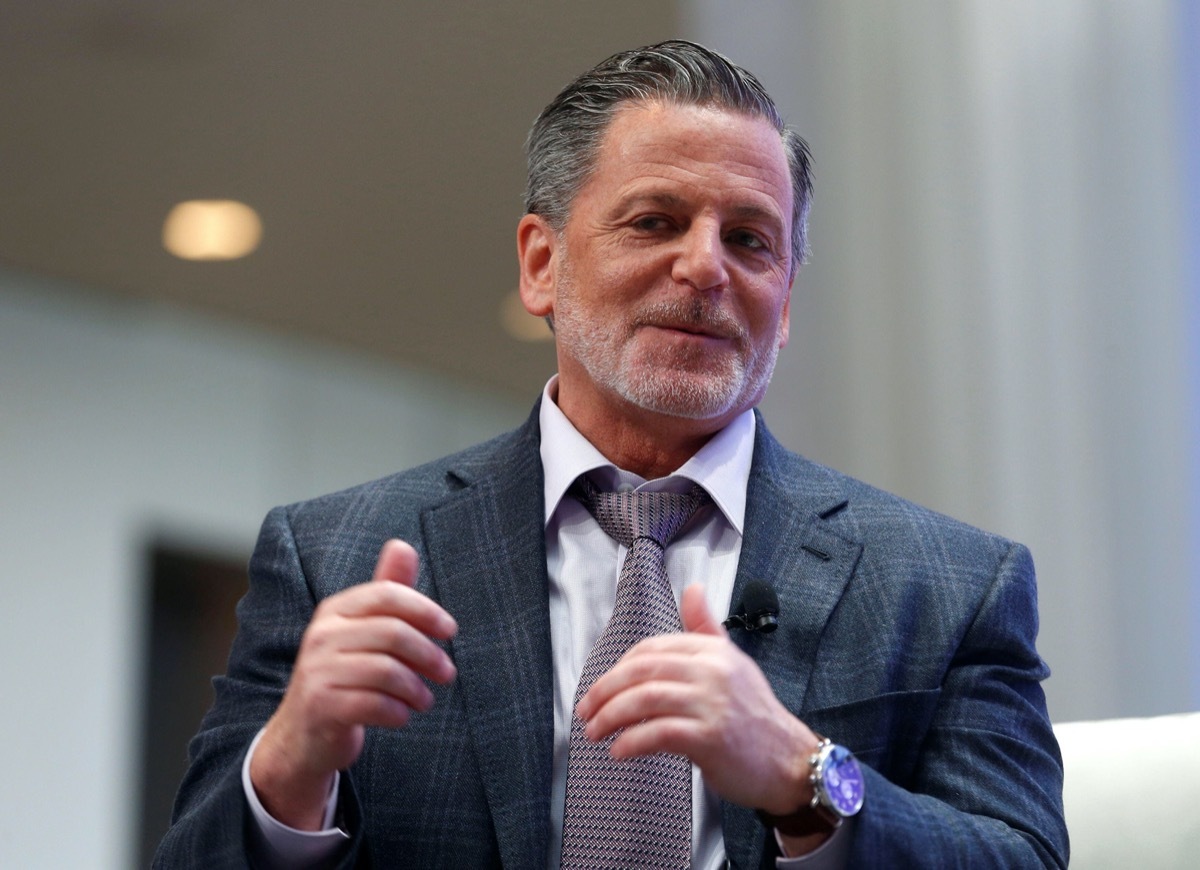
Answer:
(865, 513)
(919, 560)
(396, 499)
(902, 530)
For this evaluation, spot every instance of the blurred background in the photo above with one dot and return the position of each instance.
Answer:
(1000, 320)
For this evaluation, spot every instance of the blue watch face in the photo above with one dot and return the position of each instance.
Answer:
(843, 782)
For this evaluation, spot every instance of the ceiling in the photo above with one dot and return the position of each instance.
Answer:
(379, 141)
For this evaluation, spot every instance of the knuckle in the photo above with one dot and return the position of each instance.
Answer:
(724, 671)
(377, 595)
(395, 633)
(655, 695)
(391, 711)
(318, 635)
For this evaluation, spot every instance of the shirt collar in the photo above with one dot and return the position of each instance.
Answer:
(721, 466)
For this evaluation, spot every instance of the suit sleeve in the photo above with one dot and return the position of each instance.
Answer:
(986, 788)
(211, 824)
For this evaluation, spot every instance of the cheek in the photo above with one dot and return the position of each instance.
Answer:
(624, 278)
(623, 272)
(766, 311)
(768, 322)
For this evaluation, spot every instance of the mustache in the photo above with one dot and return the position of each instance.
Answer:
(694, 315)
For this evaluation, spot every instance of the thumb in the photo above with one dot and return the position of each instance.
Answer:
(397, 563)
(696, 615)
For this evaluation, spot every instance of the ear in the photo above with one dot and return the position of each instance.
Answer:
(536, 249)
(785, 319)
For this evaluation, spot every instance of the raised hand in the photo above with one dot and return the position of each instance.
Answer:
(363, 661)
(696, 694)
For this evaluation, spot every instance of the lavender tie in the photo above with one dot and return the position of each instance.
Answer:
(635, 813)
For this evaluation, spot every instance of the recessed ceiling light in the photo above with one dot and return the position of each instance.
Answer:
(519, 323)
(211, 229)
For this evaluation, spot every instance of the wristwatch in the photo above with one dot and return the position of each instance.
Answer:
(838, 791)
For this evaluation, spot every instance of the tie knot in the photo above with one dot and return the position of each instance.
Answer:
(627, 516)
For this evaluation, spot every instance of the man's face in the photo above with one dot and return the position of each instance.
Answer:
(672, 278)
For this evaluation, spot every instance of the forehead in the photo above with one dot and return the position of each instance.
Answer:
(701, 150)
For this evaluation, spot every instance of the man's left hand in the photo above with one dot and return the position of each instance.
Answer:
(696, 694)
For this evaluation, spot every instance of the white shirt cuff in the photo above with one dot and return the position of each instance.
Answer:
(292, 847)
(833, 853)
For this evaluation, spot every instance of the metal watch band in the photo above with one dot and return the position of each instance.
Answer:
(811, 817)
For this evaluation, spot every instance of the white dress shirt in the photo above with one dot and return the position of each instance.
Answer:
(583, 564)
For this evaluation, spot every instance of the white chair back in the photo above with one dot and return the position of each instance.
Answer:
(1132, 792)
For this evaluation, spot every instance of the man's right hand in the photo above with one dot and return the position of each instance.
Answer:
(361, 662)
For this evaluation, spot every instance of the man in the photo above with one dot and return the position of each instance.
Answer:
(430, 717)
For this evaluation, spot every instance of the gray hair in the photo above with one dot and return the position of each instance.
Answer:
(565, 140)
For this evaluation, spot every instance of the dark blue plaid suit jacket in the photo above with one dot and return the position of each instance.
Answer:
(903, 634)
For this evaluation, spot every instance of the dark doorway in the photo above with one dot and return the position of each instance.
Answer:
(191, 625)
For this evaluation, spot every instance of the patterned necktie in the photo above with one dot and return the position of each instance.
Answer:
(635, 813)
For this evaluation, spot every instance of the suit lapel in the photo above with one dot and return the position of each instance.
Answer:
(789, 544)
(487, 561)
(486, 558)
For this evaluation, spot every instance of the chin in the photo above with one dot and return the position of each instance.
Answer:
(686, 395)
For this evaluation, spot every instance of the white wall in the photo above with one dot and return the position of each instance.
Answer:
(1187, 41)
(117, 422)
(997, 320)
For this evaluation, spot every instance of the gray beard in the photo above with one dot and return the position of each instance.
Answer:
(696, 393)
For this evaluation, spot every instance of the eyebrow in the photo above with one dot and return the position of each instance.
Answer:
(743, 211)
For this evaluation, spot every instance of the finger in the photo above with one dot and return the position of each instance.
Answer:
(397, 562)
(354, 707)
(688, 643)
(635, 668)
(645, 702)
(382, 674)
(697, 618)
(400, 641)
(396, 600)
(673, 735)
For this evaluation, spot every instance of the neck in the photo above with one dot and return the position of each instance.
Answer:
(644, 454)
(649, 444)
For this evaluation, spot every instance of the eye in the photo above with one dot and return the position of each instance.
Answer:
(747, 239)
(651, 223)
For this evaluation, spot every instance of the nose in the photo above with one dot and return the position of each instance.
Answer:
(701, 259)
